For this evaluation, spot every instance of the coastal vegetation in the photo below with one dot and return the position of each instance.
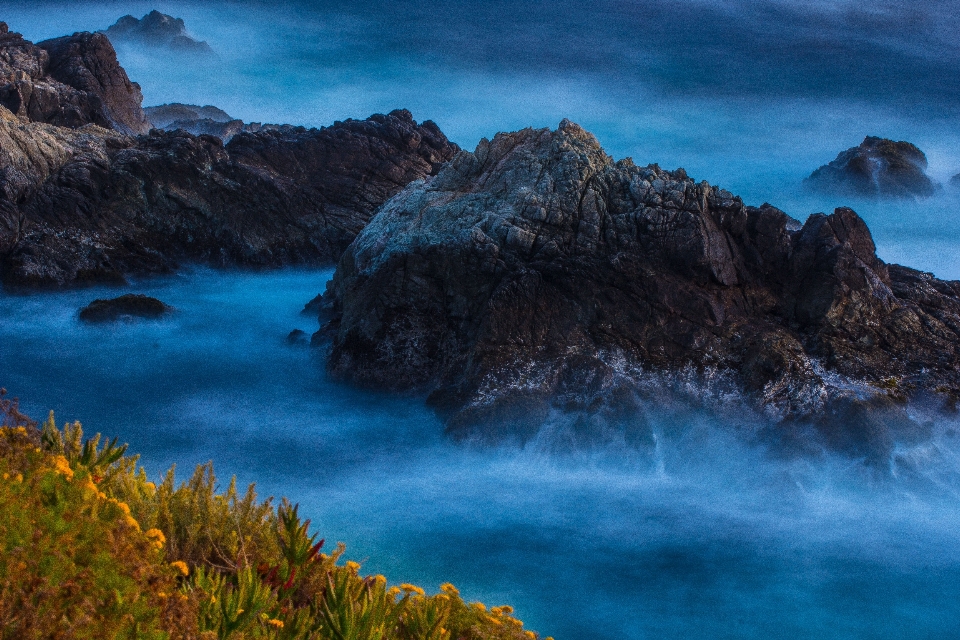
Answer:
(91, 548)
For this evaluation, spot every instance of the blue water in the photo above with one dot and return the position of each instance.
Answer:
(705, 537)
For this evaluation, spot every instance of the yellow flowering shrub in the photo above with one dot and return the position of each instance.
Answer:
(89, 548)
(69, 565)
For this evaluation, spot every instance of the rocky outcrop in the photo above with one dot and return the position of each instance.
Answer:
(537, 275)
(877, 168)
(70, 82)
(955, 181)
(158, 30)
(130, 305)
(206, 120)
(164, 115)
(93, 206)
(208, 127)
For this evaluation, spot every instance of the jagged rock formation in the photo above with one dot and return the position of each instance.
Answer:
(537, 274)
(206, 120)
(130, 305)
(93, 205)
(70, 81)
(208, 127)
(164, 115)
(877, 168)
(157, 30)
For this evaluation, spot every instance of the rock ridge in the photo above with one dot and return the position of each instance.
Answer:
(94, 206)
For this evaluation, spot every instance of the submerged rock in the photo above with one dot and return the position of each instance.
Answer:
(537, 275)
(133, 305)
(158, 30)
(877, 168)
(298, 337)
(955, 181)
(71, 82)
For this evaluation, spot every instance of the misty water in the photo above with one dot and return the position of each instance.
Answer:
(708, 535)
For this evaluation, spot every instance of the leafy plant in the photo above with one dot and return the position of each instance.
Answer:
(229, 607)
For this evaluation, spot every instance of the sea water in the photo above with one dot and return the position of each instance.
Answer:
(708, 536)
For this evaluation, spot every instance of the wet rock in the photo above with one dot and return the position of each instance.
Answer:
(312, 308)
(131, 305)
(160, 31)
(298, 336)
(877, 168)
(71, 81)
(537, 275)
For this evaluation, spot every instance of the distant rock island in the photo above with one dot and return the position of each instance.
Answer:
(82, 200)
(537, 275)
(878, 168)
(158, 30)
(207, 120)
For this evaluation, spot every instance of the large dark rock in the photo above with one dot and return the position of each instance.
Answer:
(536, 274)
(157, 30)
(877, 168)
(80, 207)
(70, 81)
(131, 305)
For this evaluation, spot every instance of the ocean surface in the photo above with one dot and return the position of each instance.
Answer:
(705, 536)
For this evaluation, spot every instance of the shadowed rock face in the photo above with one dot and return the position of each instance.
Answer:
(157, 30)
(536, 274)
(70, 81)
(92, 205)
(877, 168)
